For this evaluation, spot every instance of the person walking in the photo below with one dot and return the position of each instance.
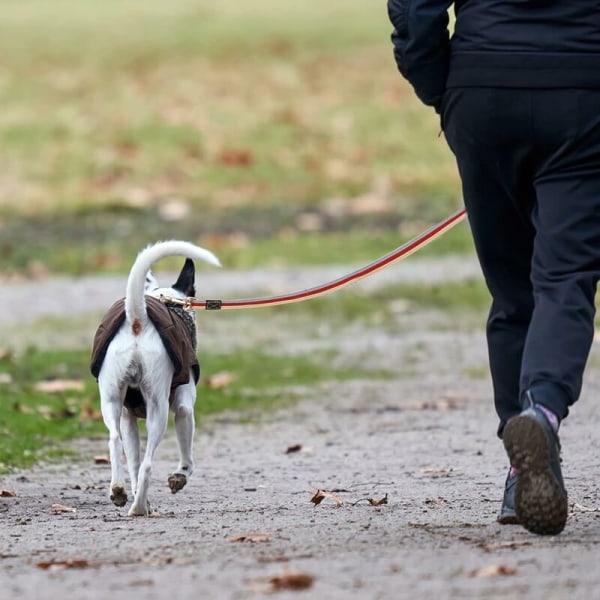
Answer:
(517, 88)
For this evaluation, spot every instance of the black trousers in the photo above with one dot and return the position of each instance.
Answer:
(529, 162)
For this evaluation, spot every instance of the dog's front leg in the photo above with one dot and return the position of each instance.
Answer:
(183, 407)
(111, 406)
(157, 413)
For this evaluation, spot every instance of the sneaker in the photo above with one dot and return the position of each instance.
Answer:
(508, 515)
(533, 448)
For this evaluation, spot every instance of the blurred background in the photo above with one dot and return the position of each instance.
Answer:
(271, 131)
(276, 133)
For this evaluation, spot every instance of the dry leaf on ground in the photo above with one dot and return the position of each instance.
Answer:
(438, 471)
(294, 448)
(219, 380)
(61, 508)
(494, 571)
(89, 413)
(235, 157)
(502, 545)
(379, 502)
(580, 508)
(291, 580)
(70, 563)
(320, 495)
(7, 494)
(253, 537)
(101, 460)
(56, 386)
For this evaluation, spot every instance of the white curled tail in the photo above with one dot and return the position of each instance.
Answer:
(135, 303)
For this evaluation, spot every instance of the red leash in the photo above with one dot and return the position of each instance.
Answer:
(398, 254)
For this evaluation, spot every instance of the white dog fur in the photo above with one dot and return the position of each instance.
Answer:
(136, 357)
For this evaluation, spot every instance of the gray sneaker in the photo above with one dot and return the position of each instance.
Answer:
(533, 448)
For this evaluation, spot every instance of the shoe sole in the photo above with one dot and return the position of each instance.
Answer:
(540, 501)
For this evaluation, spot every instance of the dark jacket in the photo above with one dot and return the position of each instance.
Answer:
(176, 336)
(496, 43)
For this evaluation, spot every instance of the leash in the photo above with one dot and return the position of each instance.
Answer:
(385, 261)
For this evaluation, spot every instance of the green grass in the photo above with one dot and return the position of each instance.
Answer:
(108, 241)
(34, 423)
(251, 115)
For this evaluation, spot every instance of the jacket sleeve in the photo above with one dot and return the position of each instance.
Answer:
(422, 45)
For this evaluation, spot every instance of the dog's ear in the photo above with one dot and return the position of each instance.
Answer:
(186, 280)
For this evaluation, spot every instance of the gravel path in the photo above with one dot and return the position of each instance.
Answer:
(425, 440)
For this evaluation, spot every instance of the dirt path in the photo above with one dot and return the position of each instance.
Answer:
(426, 440)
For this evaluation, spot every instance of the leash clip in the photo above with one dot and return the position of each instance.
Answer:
(213, 304)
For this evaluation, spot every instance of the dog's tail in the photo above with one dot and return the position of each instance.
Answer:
(135, 303)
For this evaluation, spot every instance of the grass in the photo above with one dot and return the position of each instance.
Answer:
(107, 242)
(34, 422)
(249, 117)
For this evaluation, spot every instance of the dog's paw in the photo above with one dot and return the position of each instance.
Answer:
(118, 496)
(141, 511)
(137, 512)
(177, 481)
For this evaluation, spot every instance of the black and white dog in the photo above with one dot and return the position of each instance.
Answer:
(144, 358)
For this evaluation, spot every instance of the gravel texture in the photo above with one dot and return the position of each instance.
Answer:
(425, 441)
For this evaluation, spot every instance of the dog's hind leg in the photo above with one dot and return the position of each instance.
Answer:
(111, 405)
(183, 407)
(157, 414)
(131, 442)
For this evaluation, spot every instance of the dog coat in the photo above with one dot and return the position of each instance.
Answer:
(177, 332)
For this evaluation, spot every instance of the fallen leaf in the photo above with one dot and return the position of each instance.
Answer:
(70, 563)
(494, 571)
(320, 495)
(89, 413)
(294, 448)
(438, 471)
(292, 580)
(56, 386)
(379, 502)
(101, 460)
(61, 508)
(575, 508)
(219, 380)
(253, 537)
(7, 494)
(503, 545)
(234, 157)
(436, 501)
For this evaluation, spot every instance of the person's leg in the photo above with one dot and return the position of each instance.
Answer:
(565, 271)
(485, 129)
(566, 257)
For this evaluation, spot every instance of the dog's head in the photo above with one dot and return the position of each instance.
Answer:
(182, 288)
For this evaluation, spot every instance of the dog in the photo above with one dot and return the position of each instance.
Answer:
(144, 359)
